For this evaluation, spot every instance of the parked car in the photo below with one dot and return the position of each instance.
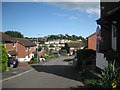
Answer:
(56, 53)
(12, 62)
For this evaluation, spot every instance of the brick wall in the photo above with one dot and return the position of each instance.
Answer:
(92, 42)
(42, 53)
(9, 45)
(22, 53)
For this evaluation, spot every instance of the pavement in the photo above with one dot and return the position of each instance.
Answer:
(16, 71)
(55, 73)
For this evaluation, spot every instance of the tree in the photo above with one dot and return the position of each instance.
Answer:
(39, 48)
(51, 45)
(46, 49)
(41, 41)
(14, 34)
(4, 55)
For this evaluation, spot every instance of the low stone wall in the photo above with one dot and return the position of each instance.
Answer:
(23, 64)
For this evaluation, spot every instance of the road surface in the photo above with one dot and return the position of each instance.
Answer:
(55, 73)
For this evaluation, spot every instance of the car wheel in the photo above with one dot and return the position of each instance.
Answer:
(11, 65)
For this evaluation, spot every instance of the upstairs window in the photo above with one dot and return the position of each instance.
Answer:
(13, 44)
(29, 48)
(26, 48)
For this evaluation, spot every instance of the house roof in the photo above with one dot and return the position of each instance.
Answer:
(91, 35)
(76, 44)
(12, 52)
(110, 13)
(6, 38)
(25, 42)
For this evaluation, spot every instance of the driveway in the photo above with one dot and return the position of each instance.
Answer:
(55, 73)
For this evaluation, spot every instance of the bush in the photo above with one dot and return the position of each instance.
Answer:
(55, 56)
(29, 62)
(89, 79)
(82, 55)
(110, 77)
(4, 55)
(63, 52)
(46, 57)
(35, 60)
(74, 52)
(35, 55)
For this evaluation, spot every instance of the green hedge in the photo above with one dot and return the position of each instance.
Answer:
(82, 55)
(34, 61)
(4, 55)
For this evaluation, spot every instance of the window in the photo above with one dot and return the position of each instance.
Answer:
(13, 44)
(26, 48)
(29, 48)
(114, 31)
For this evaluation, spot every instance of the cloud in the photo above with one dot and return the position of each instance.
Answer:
(63, 15)
(93, 10)
(88, 7)
(72, 18)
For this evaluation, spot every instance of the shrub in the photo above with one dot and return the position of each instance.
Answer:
(89, 79)
(35, 60)
(55, 56)
(82, 55)
(4, 55)
(74, 52)
(110, 77)
(62, 51)
(46, 57)
(29, 62)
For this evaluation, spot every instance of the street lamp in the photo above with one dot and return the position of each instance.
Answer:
(37, 47)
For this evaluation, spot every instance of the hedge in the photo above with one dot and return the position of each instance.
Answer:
(4, 55)
(82, 55)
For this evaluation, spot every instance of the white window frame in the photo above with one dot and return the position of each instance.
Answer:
(29, 48)
(13, 44)
(26, 49)
(114, 37)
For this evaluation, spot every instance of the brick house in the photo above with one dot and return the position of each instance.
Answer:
(42, 52)
(74, 46)
(91, 41)
(109, 48)
(21, 48)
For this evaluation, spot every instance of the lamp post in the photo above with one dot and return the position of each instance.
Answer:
(37, 47)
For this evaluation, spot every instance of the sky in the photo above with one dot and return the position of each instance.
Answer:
(47, 18)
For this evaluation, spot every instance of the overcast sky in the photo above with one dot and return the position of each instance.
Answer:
(46, 18)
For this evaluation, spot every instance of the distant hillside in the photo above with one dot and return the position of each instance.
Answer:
(66, 36)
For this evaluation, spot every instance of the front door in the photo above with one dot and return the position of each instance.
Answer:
(114, 38)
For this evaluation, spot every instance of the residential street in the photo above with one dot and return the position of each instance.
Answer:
(55, 73)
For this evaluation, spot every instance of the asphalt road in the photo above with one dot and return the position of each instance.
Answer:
(55, 73)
